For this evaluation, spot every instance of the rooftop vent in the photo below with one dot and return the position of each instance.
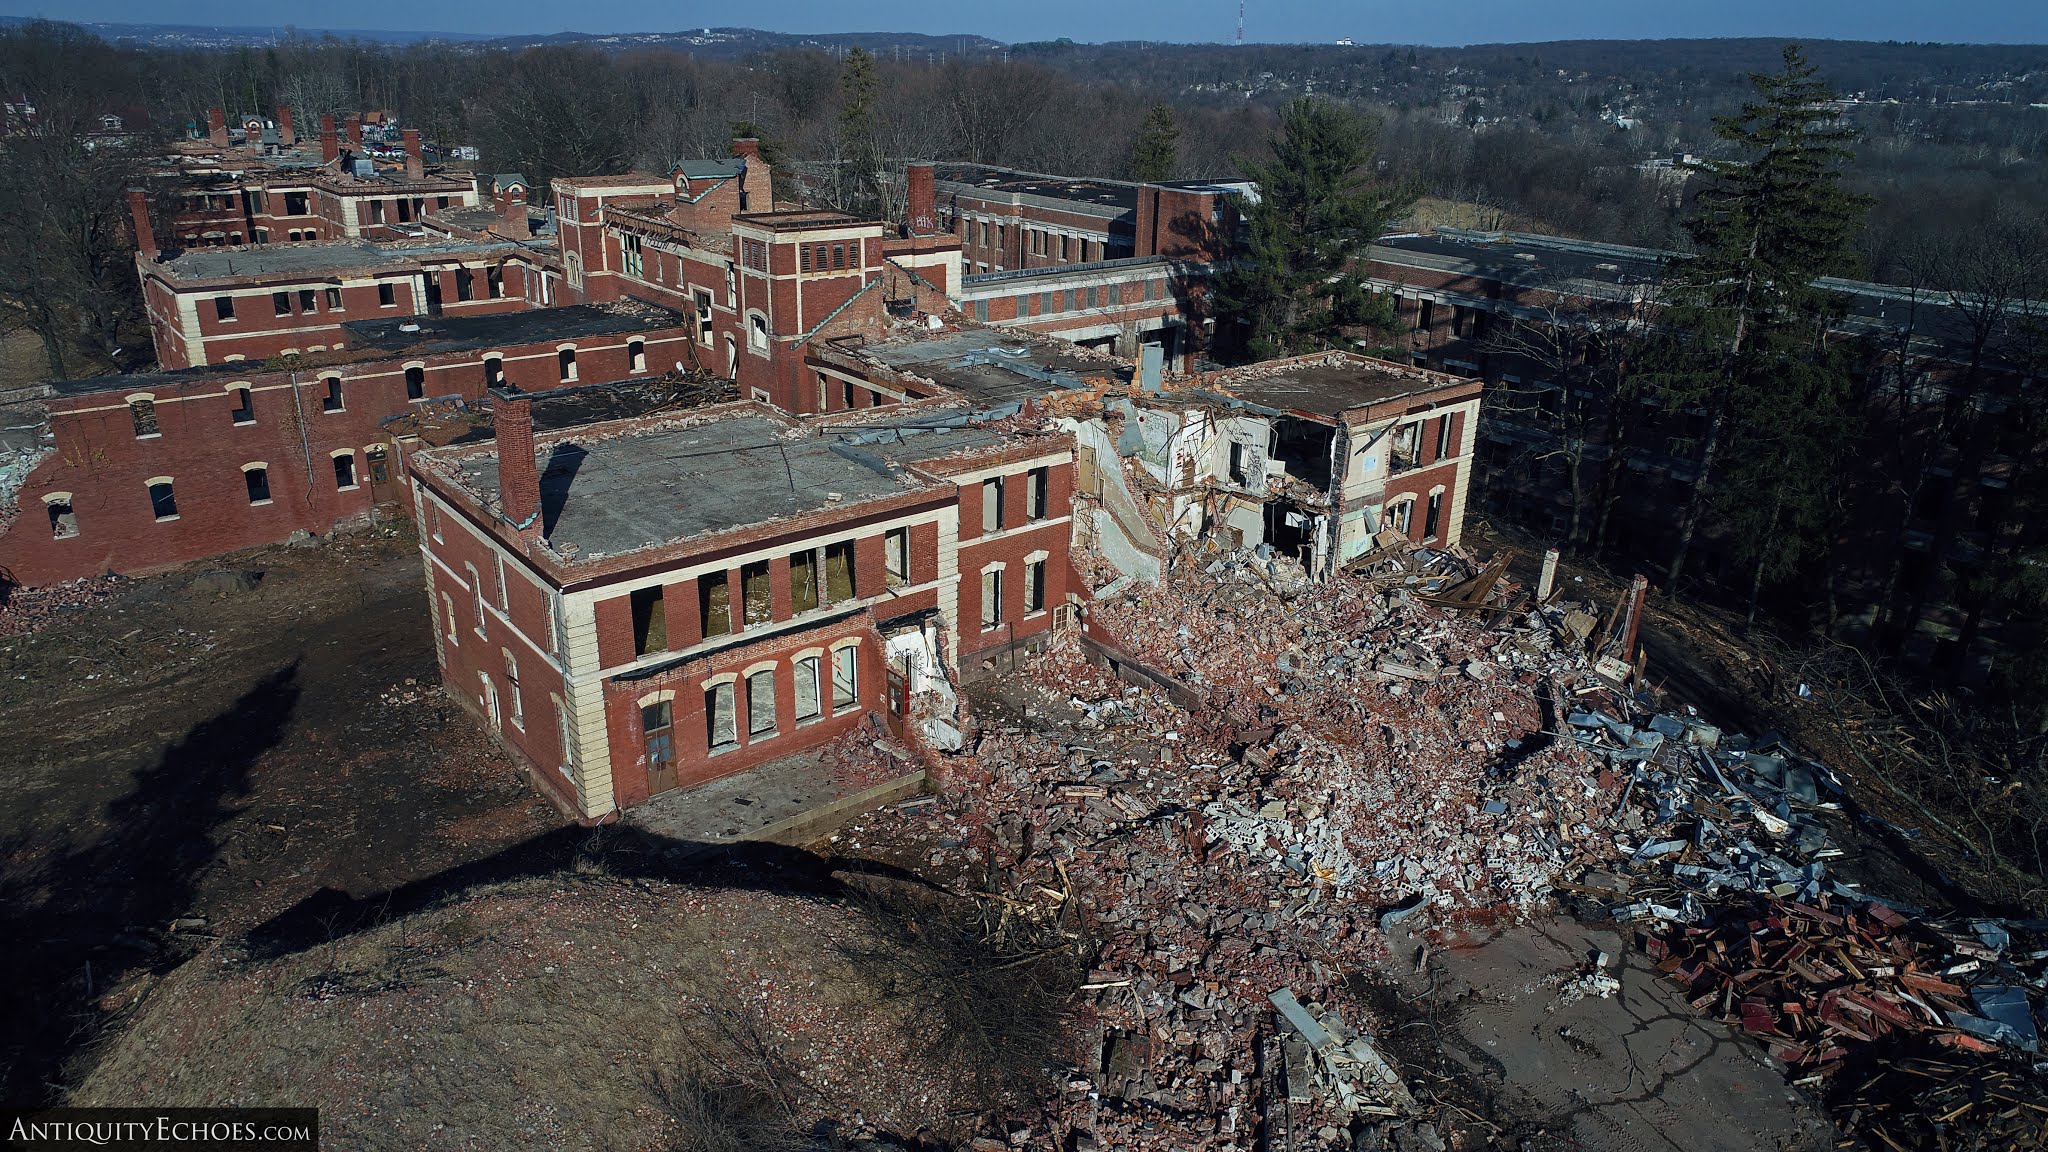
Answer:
(1529, 256)
(409, 326)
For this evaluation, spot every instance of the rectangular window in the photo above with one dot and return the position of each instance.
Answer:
(332, 401)
(415, 382)
(761, 704)
(334, 299)
(1037, 485)
(1434, 517)
(650, 621)
(258, 482)
(387, 296)
(992, 504)
(376, 211)
(465, 284)
(896, 555)
(494, 372)
(991, 597)
(714, 604)
(845, 684)
(807, 700)
(718, 710)
(345, 471)
(657, 726)
(512, 689)
(163, 502)
(308, 300)
(565, 732)
(448, 615)
(757, 598)
(803, 258)
(565, 360)
(1034, 586)
(224, 307)
(494, 282)
(1443, 438)
(281, 303)
(803, 581)
(839, 582)
(295, 203)
(245, 406)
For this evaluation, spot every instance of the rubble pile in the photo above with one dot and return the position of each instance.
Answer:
(24, 611)
(1730, 885)
(1350, 755)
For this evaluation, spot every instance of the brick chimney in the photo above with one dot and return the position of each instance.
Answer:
(518, 477)
(285, 136)
(330, 143)
(217, 127)
(355, 134)
(757, 181)
(138, 213)
(415, 158)
(920, 212)
(511, 204)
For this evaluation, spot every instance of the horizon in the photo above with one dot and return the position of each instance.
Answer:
(2003, 23)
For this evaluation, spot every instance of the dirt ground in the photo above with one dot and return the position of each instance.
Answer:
(215, 747)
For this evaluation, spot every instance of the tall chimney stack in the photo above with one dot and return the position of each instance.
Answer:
(920, 211)
(415, 157)
(518, 477)
(757, 181)
(330, 143)
(285, 136)
(355, 133)
(138, 213)
(217, 127)
(511, 204)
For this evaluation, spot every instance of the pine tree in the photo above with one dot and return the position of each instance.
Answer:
(1157, 152)
(1292, 279)
(1747, 344)
(860, 136)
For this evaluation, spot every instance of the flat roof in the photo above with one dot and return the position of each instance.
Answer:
(795, 219)
(609, 490)
(994, 367)
(1329, 386)
(530, 326)
(1102, 193)
(306, 260)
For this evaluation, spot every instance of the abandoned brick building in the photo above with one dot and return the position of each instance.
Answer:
(142, 471)
(648, 604)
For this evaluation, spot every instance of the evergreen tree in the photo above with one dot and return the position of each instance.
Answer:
(1746, 332)
(1292, 279)
(1157, 152)
(860, 137)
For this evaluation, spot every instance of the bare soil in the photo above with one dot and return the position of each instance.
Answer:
(217, 747)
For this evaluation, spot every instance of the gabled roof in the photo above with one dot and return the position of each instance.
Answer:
(505, 180)
(711, 169)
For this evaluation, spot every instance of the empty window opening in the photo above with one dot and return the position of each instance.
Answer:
(494, 282)
(245, 406)
(757, 332)
(376, 211)
(761, 704)
(345, 471)
(714, 604)
(845, 678)
(1443, 438)
(808, 701)
(1432, 519)
(636, 355)
(163, 502)
(757, 598)
(650, 621)
(1401, 516)
(415, 382)
(465, 284)
(657, 727)
(718, 710)
(1037, 484)
(803, 581)
(281, 303)
(839, 582)
(896, 556)
(991, 597)
(565, 360)
(448, 616)
(63, 521)
(1034, 586)
(258, 482)
(387, 295)
(308, 300)
(512, 688)
(224, 307)
(992, 504)
(380, 472)
(334, 299)
(143, 414)
(332, 401)
(494, 371)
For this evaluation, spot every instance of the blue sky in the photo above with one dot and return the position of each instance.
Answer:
(1367, 21)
